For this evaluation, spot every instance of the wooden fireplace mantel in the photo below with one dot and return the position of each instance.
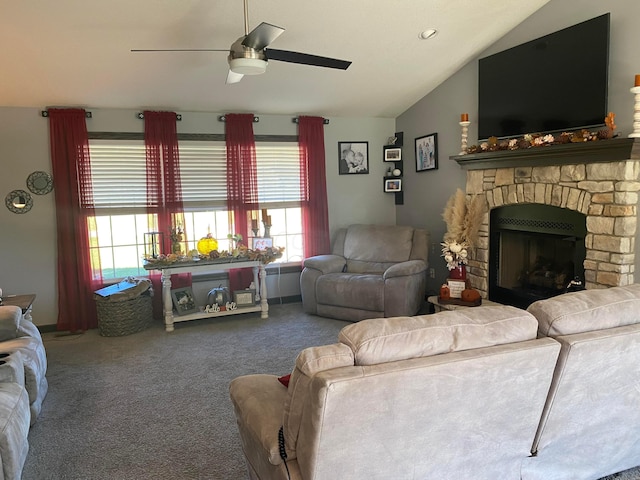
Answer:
(613, 150)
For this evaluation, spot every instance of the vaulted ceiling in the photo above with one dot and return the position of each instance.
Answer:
(78, 52)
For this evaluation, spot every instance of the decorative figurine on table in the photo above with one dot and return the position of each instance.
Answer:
(176, 240)
(266, 221)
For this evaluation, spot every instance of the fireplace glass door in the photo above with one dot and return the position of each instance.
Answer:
(535, 252)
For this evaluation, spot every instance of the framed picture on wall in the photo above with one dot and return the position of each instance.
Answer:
(427, 152)
(353, 158)
(392, 154)
(393, 185)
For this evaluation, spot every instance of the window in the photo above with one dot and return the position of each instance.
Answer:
(118, 169)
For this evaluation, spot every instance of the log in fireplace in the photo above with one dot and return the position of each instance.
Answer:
(536, 251)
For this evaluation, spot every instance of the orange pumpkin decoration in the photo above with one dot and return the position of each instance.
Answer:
(470, 295)
(445, 293)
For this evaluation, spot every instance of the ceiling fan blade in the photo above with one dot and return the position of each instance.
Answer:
(306, 59)
(262, 35)
(183, 50)
(233, 77)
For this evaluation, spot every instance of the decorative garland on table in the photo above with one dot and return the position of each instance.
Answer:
(241, 254)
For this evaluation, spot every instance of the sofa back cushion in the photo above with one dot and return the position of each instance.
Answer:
(384, 340)
(463, 415)
(588, 310)
(374, 248)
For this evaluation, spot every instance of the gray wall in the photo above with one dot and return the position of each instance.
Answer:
(427, 192)
(28, 241)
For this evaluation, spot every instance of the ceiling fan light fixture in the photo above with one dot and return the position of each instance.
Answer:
(248, 66)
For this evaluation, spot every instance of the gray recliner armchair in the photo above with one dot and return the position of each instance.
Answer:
(373, 271)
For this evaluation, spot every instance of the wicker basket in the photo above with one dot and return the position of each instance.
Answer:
(124, 317)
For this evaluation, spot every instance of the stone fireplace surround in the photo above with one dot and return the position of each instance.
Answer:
(599, 179)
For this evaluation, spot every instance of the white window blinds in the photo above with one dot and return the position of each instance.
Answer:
(118, 169)
(278, 166)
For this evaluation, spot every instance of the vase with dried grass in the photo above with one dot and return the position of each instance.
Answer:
(463, 216)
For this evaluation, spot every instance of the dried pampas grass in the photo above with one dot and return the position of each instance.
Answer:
(463, 217)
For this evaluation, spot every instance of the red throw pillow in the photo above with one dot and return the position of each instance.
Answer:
(285, 380)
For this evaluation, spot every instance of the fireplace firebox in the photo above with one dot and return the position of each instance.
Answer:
(535, 252)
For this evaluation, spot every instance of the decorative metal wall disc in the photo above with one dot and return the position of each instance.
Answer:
(18, 201)
(40, 183)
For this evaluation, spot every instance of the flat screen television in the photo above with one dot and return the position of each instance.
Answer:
(554, 83)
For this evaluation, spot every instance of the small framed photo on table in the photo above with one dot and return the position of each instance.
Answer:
(244, 298)
(183, 300)
(261, 243)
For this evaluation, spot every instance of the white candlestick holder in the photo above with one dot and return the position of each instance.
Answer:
(465, 134)
(636, 113)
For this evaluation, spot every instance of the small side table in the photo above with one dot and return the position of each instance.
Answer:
(25, 302)
(439, 307)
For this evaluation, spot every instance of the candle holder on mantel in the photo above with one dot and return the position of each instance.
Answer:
(267, 230)
(636, 109)
(465, 134)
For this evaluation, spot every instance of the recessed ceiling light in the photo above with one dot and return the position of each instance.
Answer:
(427, 34)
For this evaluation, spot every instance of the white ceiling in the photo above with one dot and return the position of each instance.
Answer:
(77, 52)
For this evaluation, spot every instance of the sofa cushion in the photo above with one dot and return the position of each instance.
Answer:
(34, 360)
(14, 429)
(9, 322)
(326, 357)
(339, 289)
(374, 248)
(588, 310)
(399, 338)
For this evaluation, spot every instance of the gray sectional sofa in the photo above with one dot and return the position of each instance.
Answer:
(23, 387)
(479, 393)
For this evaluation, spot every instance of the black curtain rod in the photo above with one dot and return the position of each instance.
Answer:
(324, 120)
(223, 118)
(45, 113)
(140, 115)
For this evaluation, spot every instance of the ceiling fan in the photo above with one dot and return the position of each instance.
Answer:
(249, 54)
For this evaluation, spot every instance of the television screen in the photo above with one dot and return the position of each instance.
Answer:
(554, 83)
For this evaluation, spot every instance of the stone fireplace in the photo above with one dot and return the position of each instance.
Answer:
(599, 180)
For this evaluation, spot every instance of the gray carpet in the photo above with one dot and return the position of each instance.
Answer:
(155, 405)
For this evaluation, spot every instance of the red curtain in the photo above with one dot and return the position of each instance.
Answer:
(313, 183)
(71, 167)
(164, 189)
(242, 183)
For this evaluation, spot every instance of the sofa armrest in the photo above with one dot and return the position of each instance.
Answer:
(411, 267)
(326, 263)
(258, 401)
(10, 317)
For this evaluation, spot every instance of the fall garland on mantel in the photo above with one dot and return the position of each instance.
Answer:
(533, 140)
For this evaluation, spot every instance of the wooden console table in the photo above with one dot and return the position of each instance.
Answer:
(205, 267)
(25, 302)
